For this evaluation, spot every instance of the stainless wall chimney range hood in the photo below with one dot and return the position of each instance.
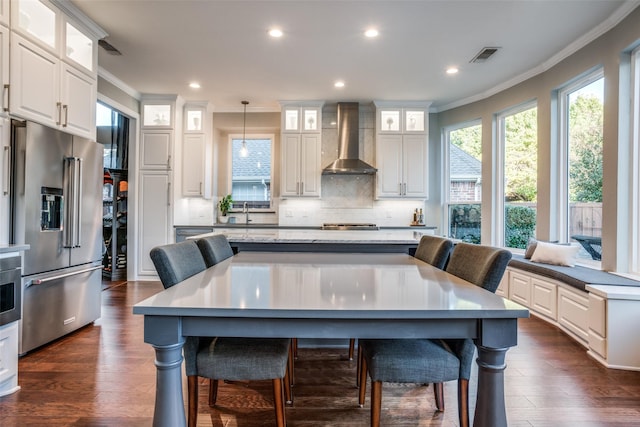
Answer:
(348, 162)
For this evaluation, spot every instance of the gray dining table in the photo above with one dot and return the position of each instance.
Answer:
(328, 295)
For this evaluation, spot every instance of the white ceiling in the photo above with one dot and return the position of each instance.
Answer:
(224, 45)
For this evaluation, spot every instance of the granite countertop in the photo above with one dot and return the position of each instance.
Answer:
(13, 248)
(383, 236)
(296, 227)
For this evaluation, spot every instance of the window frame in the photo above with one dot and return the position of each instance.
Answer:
(446, 167)
(563, 93)
(249, 136)
(499, 220)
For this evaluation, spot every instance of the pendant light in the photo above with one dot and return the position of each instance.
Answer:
(243, 150)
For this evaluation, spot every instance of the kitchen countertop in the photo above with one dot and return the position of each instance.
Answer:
(308, 236)
(13, 248)
(297, 227)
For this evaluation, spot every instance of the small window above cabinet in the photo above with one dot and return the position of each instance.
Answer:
(299, 118)
(79, 48)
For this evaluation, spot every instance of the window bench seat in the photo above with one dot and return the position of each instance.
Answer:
(600, 310)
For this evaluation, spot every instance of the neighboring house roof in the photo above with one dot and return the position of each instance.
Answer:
(463, 165)
(257, 165)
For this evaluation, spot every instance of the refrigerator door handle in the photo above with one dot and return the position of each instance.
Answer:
(7, 168)
(78, 207)
(71, 230)
(61, 276)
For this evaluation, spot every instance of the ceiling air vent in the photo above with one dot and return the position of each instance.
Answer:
(484, 54)
(108, 47)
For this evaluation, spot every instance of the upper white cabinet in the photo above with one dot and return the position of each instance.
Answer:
(53, 66)
(301, 141)
(402, 150)
(4, 12)
(196, 150)
(300, 171)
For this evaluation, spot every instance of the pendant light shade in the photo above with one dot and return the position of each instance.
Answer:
(244, 152)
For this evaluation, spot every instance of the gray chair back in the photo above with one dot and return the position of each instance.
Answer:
(214, 249)
(481, 265)
(434, 250)
(177, 261)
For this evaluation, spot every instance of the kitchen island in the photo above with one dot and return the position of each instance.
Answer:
(386, 240)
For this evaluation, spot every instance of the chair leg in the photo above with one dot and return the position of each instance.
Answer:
(463, 402)
(192, 399)
(290, 362)
(362, 381)
(376, 402)
(287, 383)
(294, 344)
(278, 401)
(438, 391)
(352, 345)
(358, 367)
(213, 392)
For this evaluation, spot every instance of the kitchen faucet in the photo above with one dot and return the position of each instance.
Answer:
(245, 209)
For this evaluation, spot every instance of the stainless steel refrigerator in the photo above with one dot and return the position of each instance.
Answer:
(56, 209)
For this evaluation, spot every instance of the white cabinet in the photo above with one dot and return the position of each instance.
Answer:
(573, 313)
(534, 292)
(4, 68)
(4, 12)
(156, 212)
(161, 125)
(196, 151)
(9, 359)
(300, 168)
(156, 148)
(5, 176)
(402, 150)
(301, 139)
(53, 63)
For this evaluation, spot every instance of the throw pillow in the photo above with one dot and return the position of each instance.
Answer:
(549, 253)
(531, 246)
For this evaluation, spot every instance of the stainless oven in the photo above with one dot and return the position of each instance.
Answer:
(10, 289)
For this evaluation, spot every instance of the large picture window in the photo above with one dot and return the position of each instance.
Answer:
(463, 188)
(518, 157)
(581, 143)
(251, 171)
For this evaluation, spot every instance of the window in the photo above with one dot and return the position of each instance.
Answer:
(113, 133)
(518, 152)
(635, 144)
(463, 188)
(581, 139)
(251, 171)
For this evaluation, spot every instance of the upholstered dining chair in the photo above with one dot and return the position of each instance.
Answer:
(233, 359)
(433, 361)
(434, 250)
(214, 249)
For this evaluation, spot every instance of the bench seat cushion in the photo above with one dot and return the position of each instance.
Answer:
(577, 276)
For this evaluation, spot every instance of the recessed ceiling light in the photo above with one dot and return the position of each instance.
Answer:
(339, 83)
(275, 32)
(452, 70)
(194, 85)
(371, 32)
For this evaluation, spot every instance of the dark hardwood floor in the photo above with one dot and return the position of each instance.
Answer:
(103, 375)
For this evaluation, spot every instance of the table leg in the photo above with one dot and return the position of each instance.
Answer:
(490, 410)
(169, 410)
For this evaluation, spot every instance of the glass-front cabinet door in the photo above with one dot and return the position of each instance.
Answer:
(37, 21)
(78, 47)
(193, 119)
(297, 118)
(157, 115)
(414, 121)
